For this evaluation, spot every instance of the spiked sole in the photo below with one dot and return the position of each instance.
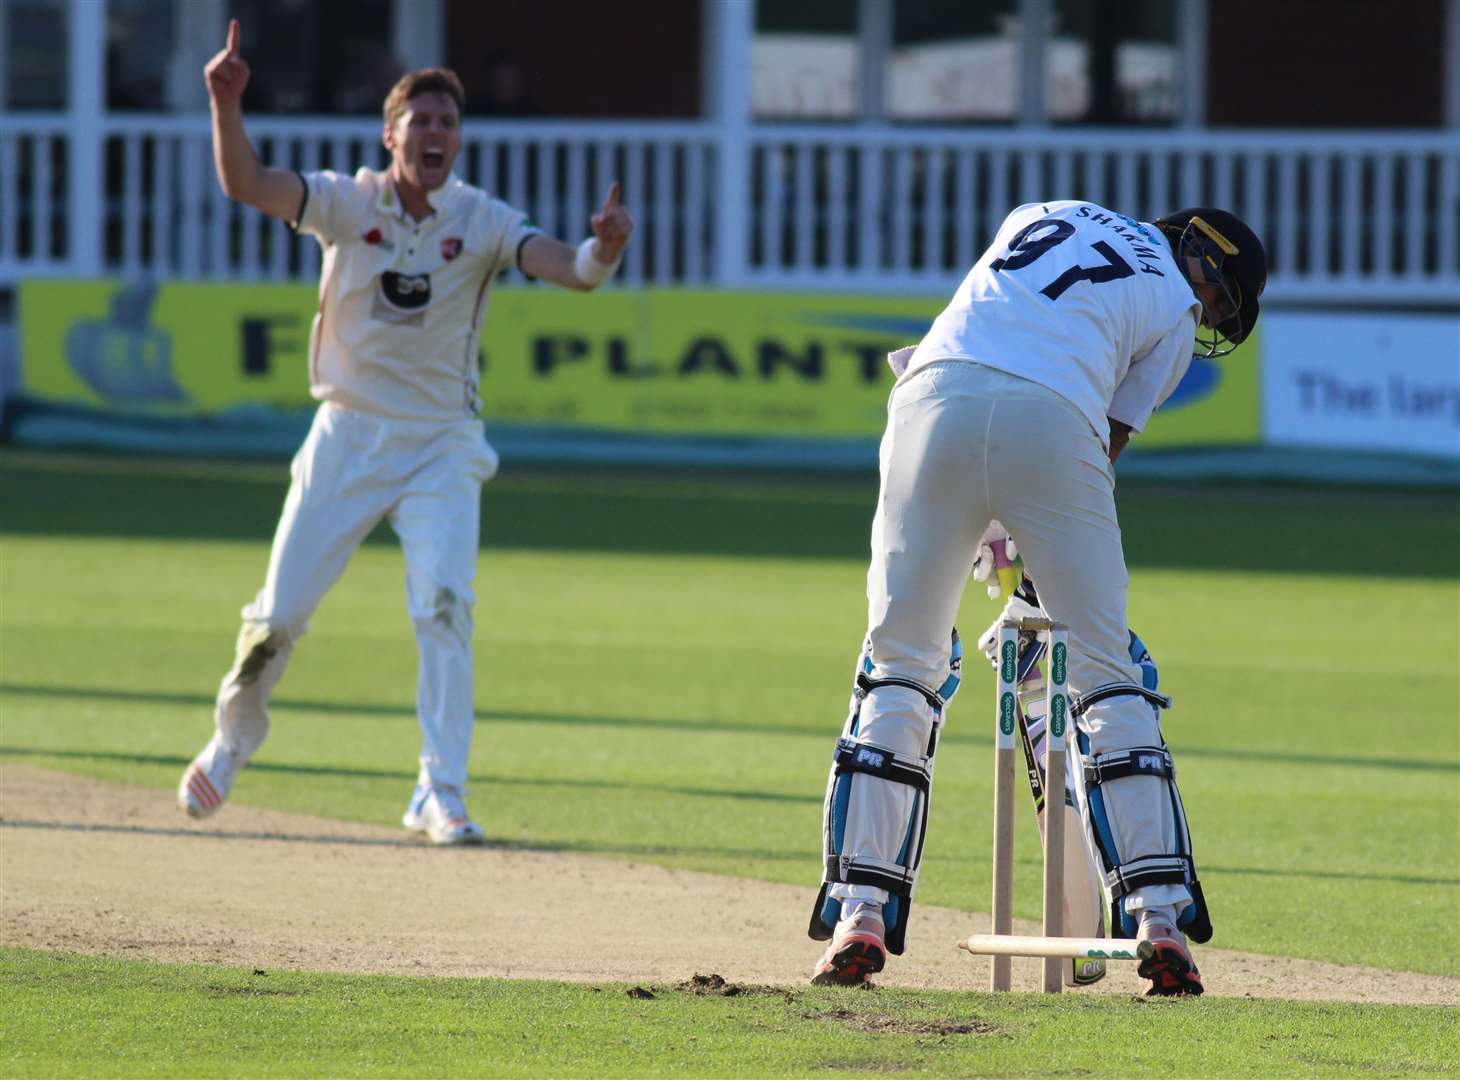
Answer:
(1170, 973)
(197, 795)
(851, 964)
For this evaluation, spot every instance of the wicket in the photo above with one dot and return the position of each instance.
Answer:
(1002, 945)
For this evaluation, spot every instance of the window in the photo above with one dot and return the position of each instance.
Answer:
(805, 61)
(1105, 61)
(317, 56)
(1113, 62)
(139, 46)
(954, 61)
(35, 54)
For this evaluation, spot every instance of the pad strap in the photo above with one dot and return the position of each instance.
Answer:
(857, 757)
(865, 870)
(1137, 761)
(1149, 870)
(1082, 702)
(866, 684)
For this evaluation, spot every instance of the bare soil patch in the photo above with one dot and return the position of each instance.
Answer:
(104, 868)
(879, 1025)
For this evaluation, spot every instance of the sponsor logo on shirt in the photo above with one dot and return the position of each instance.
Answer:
(402, 298)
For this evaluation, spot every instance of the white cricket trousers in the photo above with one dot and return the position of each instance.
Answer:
(966, 444)
(353, 470)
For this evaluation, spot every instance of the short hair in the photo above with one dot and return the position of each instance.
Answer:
(431, 80)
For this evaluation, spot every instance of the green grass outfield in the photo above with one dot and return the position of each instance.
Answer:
(664, 664)
(131, 1019)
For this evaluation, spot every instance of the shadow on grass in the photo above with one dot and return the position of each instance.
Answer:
(415, 842)
(409, 776)
(828, 731)
(1327, 875)
(409, 842)
(212, 834)
(581, 847)
(1207, 870)
(682, 512)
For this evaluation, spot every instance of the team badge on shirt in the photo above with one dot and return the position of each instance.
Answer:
(450, 248)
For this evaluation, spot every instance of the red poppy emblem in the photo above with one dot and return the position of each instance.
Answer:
(450, 248)
(373, 236)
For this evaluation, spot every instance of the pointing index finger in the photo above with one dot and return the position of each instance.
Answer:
(615, 193)
(233, 37)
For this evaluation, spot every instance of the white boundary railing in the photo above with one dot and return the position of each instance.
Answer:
(159, 211)
(1357, 216)
(1345, 217)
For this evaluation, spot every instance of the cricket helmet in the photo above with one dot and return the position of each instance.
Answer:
(1215, 247)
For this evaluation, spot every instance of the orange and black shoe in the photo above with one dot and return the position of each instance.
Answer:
(857, 950)
(1171, 972)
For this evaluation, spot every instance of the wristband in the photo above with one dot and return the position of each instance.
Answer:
(590, 271)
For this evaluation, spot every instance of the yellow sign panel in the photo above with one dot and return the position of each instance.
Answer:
(168, 350)
(666, 361)
(698, 362)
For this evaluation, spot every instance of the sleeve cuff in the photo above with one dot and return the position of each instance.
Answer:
(303, 202)
(517, 255)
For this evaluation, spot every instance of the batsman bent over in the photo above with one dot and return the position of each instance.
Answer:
(1065, 336)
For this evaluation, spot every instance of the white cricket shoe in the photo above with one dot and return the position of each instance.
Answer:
(857, 949)
(1169, 971)
(440, 812)
(207, 781)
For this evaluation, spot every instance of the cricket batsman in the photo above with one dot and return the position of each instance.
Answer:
(1068, 332)
(409, 258)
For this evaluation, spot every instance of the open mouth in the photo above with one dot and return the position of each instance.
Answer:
(433, 159)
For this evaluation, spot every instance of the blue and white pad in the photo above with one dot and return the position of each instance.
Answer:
(877, 795)
(1099, 784)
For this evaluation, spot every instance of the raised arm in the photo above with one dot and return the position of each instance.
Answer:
(592, 262)
(277, 192)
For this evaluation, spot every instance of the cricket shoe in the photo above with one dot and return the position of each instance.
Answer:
(1170, 971)
(857, 950)
(207, 781)
(440, 813)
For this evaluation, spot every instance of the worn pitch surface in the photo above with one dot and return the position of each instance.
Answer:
(97, 867)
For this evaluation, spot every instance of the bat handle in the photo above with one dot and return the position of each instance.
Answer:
(1007, 573)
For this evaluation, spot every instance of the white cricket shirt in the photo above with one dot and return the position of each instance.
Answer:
(401, 301)
(1078, 298)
